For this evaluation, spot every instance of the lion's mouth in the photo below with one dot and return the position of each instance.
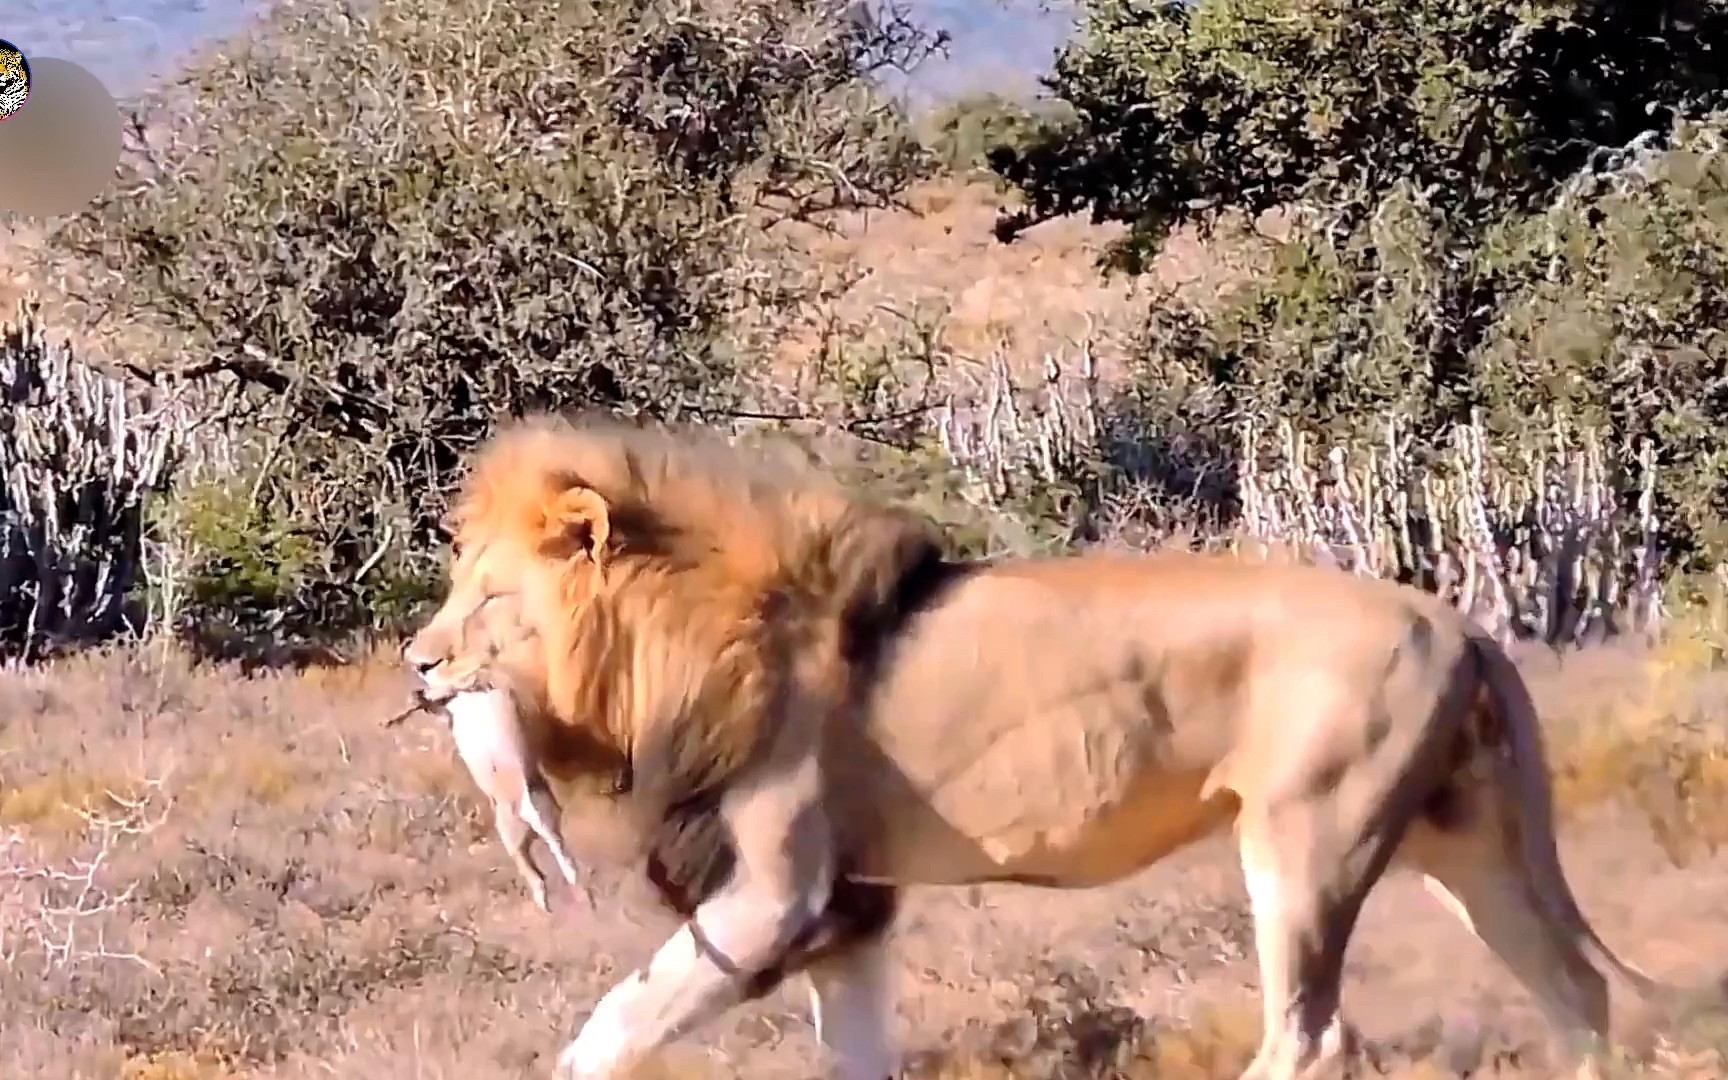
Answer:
(418, 703)
(438, 688)
(437, 703)
(434, 702)
(439, 692)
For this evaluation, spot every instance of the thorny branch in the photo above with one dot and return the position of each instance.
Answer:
(59, 912)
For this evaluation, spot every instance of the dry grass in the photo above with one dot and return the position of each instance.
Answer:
(938, 261)
(303, 893)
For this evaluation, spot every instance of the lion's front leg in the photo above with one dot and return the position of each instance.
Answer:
(700, 972)
(733, 941)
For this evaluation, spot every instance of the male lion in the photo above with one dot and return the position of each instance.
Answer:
(811, 707)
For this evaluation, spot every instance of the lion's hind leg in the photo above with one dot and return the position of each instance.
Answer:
(1307, 874)
(1317, 829)
(1478, 874)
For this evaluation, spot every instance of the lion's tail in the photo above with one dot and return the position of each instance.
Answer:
(1525, 785)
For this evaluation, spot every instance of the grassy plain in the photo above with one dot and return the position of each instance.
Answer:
(209, 875)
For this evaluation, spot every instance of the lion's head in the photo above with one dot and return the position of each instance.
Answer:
(523, 544)
(659, 591)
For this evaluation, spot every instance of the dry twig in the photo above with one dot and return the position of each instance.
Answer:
(58, 913)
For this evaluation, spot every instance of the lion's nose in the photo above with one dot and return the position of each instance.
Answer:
(420, 664)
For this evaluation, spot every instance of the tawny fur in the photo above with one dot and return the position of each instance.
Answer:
(674, 608)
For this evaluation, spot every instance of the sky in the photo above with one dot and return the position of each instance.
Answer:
(996, 44)
(129, 43)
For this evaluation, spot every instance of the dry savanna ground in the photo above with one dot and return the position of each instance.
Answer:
(205, 875)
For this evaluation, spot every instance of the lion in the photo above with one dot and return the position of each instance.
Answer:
(810, 707)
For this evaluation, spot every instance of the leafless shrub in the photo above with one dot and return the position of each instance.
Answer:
(1555, 539)
(1534, 543)
(57, 914)
(81, 452)
(1018, 435)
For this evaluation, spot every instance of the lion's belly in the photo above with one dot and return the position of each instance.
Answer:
(938, 842)
(1073, 791)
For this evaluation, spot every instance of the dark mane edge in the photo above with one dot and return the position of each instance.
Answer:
(688, 854)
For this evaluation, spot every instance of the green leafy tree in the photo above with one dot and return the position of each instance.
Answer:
(1495, 210)
(1185, 110)
(964, 132)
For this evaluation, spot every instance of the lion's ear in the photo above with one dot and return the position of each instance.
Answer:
(580, 519)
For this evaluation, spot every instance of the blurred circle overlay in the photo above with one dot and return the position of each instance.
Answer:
(61, 149)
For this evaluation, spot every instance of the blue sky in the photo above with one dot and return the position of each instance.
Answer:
(996, 42)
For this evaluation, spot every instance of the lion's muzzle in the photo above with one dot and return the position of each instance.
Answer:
(438, 682)
(422, 664)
